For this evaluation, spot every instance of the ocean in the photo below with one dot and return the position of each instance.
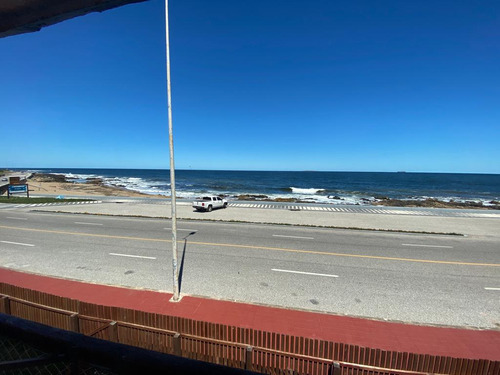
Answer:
(321, 187)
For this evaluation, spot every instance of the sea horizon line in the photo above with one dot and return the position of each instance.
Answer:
(249, 170)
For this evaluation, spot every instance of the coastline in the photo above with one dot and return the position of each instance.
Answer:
(58, 184)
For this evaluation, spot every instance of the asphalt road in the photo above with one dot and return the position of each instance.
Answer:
(430, 279)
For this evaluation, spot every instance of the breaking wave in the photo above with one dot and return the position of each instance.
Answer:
(306, 191)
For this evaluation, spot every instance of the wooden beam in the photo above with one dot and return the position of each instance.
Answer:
(18, 17)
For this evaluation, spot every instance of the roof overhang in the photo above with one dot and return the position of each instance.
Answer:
(24, 16)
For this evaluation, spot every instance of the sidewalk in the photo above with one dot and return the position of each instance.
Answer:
(453, 342)
(487, 227)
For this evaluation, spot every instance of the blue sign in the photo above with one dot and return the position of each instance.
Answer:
(18, 189)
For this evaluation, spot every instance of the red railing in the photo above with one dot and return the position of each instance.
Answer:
(260, 351)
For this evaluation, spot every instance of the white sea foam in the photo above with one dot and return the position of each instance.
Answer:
(305, 191)
(138, 184)
(71, 176)
(316, 198)
(81, 177)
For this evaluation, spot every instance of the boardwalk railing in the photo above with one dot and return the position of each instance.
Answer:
(243, 348)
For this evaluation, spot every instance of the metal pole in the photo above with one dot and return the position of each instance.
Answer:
(172, 166)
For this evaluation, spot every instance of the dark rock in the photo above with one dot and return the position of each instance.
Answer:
(289, 200)
(48, 177)
(430, 202)
(96, 181)
(252, 197)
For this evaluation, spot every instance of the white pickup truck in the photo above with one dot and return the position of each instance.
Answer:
(209, 203)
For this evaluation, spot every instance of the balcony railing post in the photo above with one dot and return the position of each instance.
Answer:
(336, 369)
(113, 332)
(74, 323)
(5, 304)
(177, 344)
(248, 358)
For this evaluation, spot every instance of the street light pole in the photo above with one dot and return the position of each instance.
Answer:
(175, 297)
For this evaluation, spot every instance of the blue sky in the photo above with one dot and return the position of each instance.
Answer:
(260, 85)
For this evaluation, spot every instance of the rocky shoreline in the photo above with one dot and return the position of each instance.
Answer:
(429, 202)
(58, 183)
(389, 202)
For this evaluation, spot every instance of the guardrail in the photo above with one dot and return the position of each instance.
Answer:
(236, 347)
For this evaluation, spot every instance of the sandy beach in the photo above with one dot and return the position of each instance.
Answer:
(59, 185)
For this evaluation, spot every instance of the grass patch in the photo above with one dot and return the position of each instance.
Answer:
(22, 200)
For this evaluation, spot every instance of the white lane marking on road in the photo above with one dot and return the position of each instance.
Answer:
(16, 218)
(283, 236)
(131, 256)
(487, 288)
(17, 243)
(183, 230)
(417, 245)
(84, 223)
(304, 273)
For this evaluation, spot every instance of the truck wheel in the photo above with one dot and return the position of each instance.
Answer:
(225, 205)
(209, 208)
